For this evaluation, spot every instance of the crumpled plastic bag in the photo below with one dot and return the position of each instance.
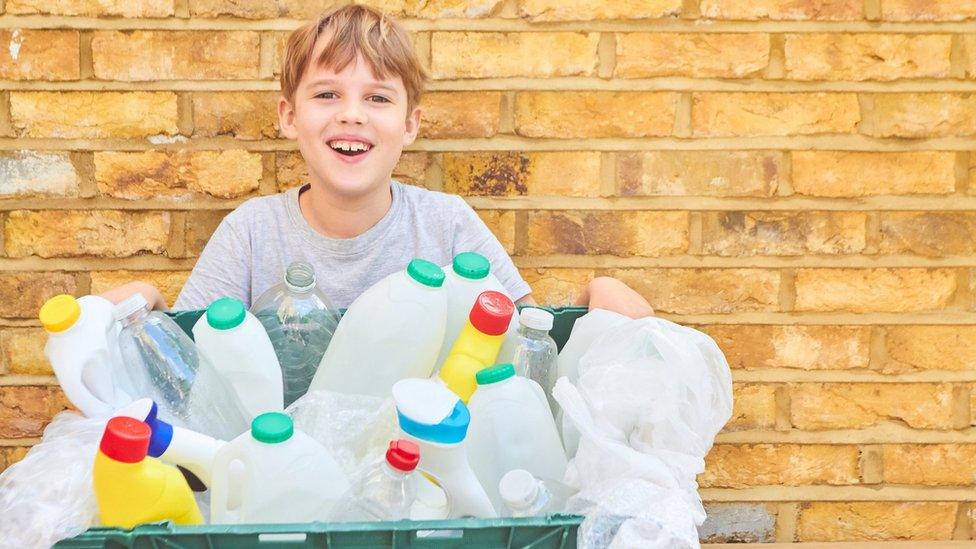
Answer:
(353, 428)
(48, 496)
(650, 398)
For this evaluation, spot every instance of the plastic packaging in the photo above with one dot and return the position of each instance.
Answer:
(300, 320)
(405, 311)
(535, 352)
(170, 370)
(476, 347)
(37, 510)
(132, 488)
(511, 428)
(386, 490)
(286, 476)
(433, 417)
(527, 496)
(236, 344)
(80, 348)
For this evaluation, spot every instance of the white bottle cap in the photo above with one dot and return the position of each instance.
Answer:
(537, 319)
(518, 488)
(424, 400)
(129, 306)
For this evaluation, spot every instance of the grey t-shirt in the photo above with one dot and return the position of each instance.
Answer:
(254, 244)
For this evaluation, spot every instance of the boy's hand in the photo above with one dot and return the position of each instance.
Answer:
(610, 294)
(153, 296)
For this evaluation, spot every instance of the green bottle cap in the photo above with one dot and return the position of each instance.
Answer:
(426, 273)
(225, 313)
(498, 372)
(272, 428)
(471, 265)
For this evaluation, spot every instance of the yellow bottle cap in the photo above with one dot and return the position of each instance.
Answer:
(59, 313)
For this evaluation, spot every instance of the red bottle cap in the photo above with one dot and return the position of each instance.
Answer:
(125, 439)
(492, 312)
(403, 455)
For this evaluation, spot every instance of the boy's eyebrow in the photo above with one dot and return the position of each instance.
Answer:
(332, 81)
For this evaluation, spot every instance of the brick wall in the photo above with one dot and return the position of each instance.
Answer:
(795, 177)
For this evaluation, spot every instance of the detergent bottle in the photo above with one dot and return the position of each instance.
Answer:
(476, 347)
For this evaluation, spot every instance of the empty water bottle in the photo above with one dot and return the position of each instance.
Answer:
(300, 321)
(527, 496)
(535, 351)
(386, 490)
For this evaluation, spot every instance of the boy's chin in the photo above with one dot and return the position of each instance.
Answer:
(354, 186)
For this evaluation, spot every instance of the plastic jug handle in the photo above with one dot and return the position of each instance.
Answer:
(78, 393)
(220, 482)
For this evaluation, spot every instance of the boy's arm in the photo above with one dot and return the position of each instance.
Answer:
(120, 293)
(608, 293)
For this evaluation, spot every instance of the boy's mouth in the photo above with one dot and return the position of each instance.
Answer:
(349, 148)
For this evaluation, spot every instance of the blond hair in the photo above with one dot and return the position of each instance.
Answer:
(352, 31)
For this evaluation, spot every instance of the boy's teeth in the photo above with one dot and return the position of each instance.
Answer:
(350, 146)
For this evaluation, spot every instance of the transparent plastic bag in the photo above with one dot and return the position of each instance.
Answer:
(48, 495)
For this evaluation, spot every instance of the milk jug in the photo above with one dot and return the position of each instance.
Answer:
(392, 331)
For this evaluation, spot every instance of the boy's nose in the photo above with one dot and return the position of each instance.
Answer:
(351, 113)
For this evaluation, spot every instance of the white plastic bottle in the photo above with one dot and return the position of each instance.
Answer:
(535, 352)
(286, 476)
(434, 418)
(526, 496)
(239, 349)
(511, 428)
(386, 490)
(392, 331)
(81, 348)
(464, 280)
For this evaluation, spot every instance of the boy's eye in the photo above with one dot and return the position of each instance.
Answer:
(378, 99)
(326, 95)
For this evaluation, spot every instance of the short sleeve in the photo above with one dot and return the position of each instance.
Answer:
(472, 235)
(223, 269)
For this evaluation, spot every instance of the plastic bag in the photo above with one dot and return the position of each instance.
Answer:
(48, 495)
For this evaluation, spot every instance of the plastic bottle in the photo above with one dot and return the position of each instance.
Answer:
(236, 344)
(386, 490)
(286, 476)
(526, 496)
(535, 352)
(468, 275)
(300, 321)
(405, 312)
(511, 428)
(433, 417)
(169, 369)
(476, 347)
(81, 349)
(132, 488)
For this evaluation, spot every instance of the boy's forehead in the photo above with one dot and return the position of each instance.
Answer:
(357, 70)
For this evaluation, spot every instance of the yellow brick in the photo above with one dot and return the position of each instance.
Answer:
(23, 351)
(930, 464)
(741, 466)
(246, 9)
(930, 348)
(580, 10)
(747, 114)
(557, 286)
(869, 290)
(868, 520)
(693, 291)
(498, 54)
(135, 56)
(39, 54)
(11, 455)
(931, 234)
(515, 174)
(698, 55)
(922, 115)
(460, 114)
(28, 173)
(426, 9)
(783, 10)
(22, 294)
(914, 10)
(630, 233)
(802, 347)
(969, 44)
(244, 115)
(25, 410)
(502, 224)
(738, 522)
(93, 114)
(169, 283)
(734, 233)
(595, 114)
(753, 407)
(159, 174)
(291, 169)
(70, 233)
(699, 173)
(866, 56)
(93, 8)
(844, 173)
(200, 224)
(815, 406)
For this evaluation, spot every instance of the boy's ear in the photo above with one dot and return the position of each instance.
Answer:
(413, 126)
(286, 118)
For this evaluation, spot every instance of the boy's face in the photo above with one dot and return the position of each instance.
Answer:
(351, 127)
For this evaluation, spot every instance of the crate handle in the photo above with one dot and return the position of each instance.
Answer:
(433, 535)
(284, 537)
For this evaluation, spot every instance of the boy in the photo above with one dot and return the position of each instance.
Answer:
(351, 85)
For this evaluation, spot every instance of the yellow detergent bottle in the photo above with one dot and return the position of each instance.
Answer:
(478, 343)
(130, 487)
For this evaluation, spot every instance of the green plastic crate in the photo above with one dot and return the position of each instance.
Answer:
(553, 532)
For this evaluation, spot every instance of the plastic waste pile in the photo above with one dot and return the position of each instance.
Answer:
(431, 398)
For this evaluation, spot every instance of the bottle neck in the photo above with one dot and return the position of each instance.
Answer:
(135, 318)
(532, 333)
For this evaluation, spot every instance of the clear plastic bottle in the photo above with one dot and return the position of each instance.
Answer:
(526, 496)
(535, 351)
(386, 490)
(167, 368)
(300, 321)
